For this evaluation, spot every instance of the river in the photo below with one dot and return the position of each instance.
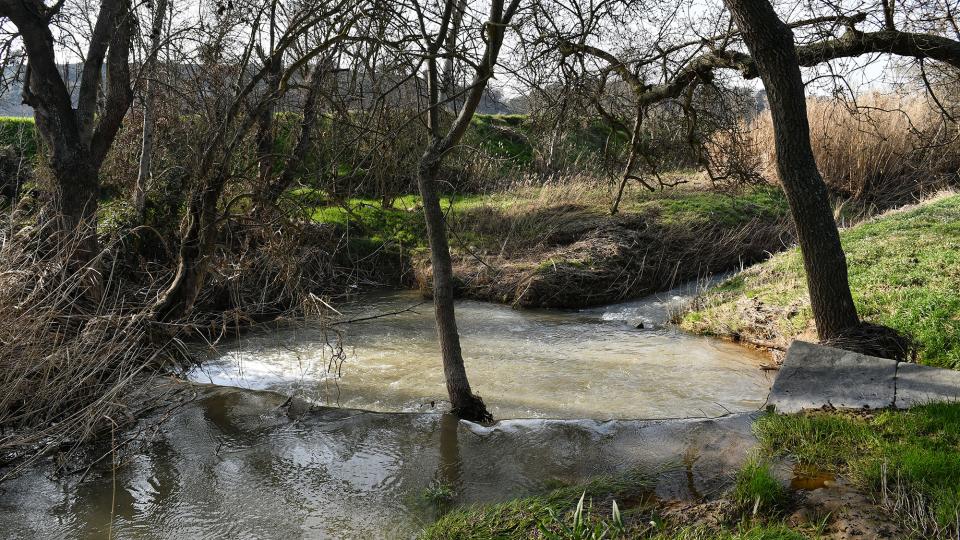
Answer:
(590, 363)
(235, 462)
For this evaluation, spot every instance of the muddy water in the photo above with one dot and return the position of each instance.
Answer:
(236, 464)
(526, 364)
(240, 463)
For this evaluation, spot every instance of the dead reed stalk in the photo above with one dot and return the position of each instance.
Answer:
(879, 152)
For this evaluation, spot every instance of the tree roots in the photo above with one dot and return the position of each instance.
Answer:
(875, 340)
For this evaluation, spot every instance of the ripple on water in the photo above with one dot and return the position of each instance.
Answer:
(530, 363)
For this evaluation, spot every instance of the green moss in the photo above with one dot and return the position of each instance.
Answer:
(904, 273)
(916, 450)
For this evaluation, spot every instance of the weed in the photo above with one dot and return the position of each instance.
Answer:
(439, 494)
(757, 489)
(582, 527)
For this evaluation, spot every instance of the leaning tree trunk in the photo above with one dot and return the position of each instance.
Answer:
(771, 43)
(196, 245)
(465, 403)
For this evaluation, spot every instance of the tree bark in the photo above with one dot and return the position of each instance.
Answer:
(79, 138)
(771, 44)
(465, 404)
(149, 116)
(197, 238)
(274, 188)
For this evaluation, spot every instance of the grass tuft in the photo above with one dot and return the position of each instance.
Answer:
(555, 512)
(756, 489)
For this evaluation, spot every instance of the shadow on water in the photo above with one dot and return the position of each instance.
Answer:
(236, 464)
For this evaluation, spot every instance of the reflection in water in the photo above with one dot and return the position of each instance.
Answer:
(236, 464)
(243, 464)
(526, 364)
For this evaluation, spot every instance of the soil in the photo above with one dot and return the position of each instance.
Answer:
(600, 260)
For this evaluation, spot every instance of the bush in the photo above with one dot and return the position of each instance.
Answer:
(20, 133)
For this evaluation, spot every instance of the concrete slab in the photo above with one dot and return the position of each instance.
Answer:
(813, 376)
(918, 384)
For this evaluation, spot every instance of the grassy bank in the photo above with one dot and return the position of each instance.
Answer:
(603, 509)
(558, 246)
(906, 461)
(902, 469)
(904, 273)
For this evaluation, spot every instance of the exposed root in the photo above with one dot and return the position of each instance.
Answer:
(875, 340)
(474, 410)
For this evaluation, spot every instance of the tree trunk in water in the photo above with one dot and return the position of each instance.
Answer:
(149, 119)
(465, 404)
(771, 43)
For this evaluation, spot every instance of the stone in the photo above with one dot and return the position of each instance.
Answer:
(918, 384)
(814, 376)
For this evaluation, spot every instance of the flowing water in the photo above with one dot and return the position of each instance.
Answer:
(241, 463)
(590, 363)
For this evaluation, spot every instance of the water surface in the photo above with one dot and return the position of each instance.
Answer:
(247, 462)
(590, 363)
(236, 464)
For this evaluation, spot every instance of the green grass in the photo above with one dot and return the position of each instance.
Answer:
(774, 531)
(402, 223)
(587, 512)
(920, 449)
(688, 207)
(522, 518)
(904, 273)
(757, 487)
(504, 136)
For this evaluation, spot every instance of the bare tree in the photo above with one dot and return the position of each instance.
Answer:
(777, 60)
(257, 87)
(78, 137)
(770, 42)
(465, 403)
(144, 171)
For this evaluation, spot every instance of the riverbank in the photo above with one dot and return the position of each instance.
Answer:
(820, 474)
(904, 273)
(557, 245)
(857, 471)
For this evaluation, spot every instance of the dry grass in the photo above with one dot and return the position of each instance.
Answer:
(556, 245)
(73, 346)
(879, 152)
(80, 348)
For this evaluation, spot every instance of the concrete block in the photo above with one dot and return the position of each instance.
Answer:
(813, 376)
(918, 384)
